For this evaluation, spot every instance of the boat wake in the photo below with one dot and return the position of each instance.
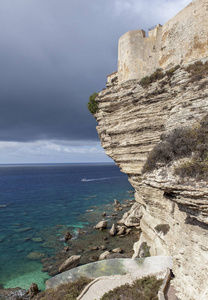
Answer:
(95, 179)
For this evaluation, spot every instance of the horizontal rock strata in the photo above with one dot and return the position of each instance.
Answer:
(174, 213)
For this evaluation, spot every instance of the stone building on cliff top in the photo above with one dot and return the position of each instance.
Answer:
(181, 40)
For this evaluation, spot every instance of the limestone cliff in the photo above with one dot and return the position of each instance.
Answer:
(130, 121)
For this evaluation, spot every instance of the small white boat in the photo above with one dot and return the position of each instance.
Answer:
(84, 179)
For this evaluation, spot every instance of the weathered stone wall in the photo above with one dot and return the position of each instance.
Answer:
(185, 37)
(181, 40)
(130, 122)
(135, 50)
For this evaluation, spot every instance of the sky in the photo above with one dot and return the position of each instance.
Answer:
(53, 55)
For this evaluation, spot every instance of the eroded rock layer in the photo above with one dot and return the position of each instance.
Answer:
(175, 211)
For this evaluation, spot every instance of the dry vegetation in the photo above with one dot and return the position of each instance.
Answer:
(183, 142)
(143, 289)
(157, 75)
(197, 71)
(69, 291)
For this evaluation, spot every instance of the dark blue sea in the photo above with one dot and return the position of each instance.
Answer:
(37, 200)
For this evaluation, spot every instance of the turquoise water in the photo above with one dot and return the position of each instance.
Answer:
(39, 203)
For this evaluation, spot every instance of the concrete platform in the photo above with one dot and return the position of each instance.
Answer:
(111, 273)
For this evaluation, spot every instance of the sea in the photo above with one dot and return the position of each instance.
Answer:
(37, 201)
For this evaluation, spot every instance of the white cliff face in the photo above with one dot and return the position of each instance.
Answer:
(174, 211)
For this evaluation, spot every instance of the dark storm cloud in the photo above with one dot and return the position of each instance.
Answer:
(53, 55)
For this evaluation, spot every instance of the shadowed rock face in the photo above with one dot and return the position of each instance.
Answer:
(130, 122)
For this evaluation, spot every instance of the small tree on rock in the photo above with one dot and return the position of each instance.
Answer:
(92, 104)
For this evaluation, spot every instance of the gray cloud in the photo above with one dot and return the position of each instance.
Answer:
(54, 54)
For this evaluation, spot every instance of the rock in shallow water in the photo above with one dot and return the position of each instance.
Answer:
(101, 225)
(33, 290)
(113, 230)
(104, 255)
(35, 255)
(67, 236)
(117, 250)
(70, 263)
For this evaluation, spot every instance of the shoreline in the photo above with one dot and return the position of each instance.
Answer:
(88, 241)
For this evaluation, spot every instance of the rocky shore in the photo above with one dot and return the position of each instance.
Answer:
(98, 241)
(113, 235)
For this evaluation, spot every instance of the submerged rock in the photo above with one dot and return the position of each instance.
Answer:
(70, 263)
(37, 239)
(35, 255)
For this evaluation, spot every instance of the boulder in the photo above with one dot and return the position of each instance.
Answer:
(67, 236)
(66, 248)
(114, 215)
(121, 231)
(93, 258)
(103, 247)
(104, 214)
(116, 202)
(104, 255)
(113, 230)
(33, 290)
(101, 225)
(117, 250)
(94, 248)
(128, 230)
(70, 263)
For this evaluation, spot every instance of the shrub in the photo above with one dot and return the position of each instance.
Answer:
(197, 71)
(92, 104)
(164, 228)
(174, 145)
(147, 80)
(65, 291)
(144, 289)
(193, 168)
(180, 143)
(171, 71)
(144, 250)
(158, 74)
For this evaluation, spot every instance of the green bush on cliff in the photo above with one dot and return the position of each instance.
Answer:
(184, 142)
(157, 75)
(147, 80)
(92, 104)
